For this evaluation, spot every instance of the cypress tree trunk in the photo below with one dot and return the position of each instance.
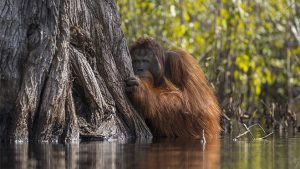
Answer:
(62, 69)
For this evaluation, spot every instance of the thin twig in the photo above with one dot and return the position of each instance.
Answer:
(240, 135)
(248, 130)
(264, 137)
(256, 124)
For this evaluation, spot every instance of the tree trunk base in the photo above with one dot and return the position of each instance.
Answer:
(63, 66)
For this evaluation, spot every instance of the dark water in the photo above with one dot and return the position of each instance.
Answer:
(275, 152)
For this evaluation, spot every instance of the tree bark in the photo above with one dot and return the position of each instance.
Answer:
(62, 69)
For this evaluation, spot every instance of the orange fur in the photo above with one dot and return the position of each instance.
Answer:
(183, 105)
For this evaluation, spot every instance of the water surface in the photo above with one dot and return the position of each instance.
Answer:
(275, 152)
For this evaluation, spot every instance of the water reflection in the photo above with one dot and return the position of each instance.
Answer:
(277, 152)
(158, 154)
(173, 154)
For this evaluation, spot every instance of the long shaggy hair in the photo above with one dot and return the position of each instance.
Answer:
(183, 105)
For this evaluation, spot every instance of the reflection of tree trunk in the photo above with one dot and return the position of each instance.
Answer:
(163, 154)
(62, 67)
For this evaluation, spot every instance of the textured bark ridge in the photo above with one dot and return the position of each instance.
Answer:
(62, 70)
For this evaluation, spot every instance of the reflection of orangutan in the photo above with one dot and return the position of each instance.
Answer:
(171, 92)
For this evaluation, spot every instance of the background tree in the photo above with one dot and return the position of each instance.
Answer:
(62, 70)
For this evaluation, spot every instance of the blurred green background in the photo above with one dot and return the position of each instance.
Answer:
(249, 50)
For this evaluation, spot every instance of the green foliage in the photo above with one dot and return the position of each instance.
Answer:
(247, 48)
